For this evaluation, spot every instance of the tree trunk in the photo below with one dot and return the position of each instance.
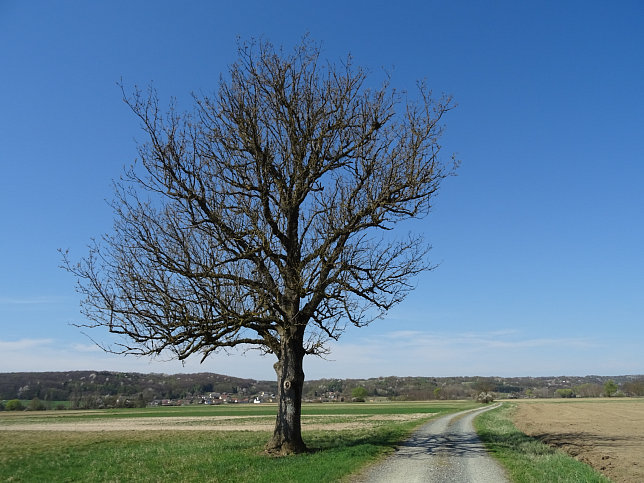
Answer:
(287, 437)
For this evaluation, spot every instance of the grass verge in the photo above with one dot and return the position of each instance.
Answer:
(526, 459)
(185, 456)
(204, 455)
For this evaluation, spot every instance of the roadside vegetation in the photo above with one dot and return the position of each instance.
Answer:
(526, 459)
(203, 455)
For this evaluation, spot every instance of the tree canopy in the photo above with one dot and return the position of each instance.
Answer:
(262, 217)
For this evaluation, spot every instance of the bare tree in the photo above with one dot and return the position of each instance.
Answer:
(261, 218)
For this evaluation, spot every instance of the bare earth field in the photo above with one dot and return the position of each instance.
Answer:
(607, 434)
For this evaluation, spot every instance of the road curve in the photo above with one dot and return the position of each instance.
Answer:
(443, 450)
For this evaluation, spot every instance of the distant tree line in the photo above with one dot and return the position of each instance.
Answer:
(83, 387)
(105, 389)
(428, 388)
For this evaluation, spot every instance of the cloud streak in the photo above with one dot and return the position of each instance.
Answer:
(502, 353)
(87, 348)
(23, 344)
(37, 300)
(507, 339)
(399, 353)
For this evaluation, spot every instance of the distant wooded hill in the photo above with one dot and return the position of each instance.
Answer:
(73, 386)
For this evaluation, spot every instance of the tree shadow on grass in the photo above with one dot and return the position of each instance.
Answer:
(583, 439)
(333, 441)
(515, 441)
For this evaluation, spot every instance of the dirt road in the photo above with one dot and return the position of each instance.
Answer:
(444, 450)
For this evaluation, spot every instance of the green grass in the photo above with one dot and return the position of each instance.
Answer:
(202, 455)
(238, 410)
(527, 459)
(187, 456)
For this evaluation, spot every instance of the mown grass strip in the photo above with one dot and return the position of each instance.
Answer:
(526, 459)
(238, 410)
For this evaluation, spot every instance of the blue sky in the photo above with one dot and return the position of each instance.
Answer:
(538, 239)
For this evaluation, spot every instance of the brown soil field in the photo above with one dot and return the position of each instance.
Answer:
(607, 434)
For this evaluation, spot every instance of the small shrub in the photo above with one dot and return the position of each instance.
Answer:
(485, 397)
(565, 393)
(14, 405)
(358, 394)
(36, 405)
(610, 388)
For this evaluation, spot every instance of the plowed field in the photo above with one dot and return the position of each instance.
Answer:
(606, 434)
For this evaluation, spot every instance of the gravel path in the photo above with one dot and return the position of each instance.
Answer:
(444, 450)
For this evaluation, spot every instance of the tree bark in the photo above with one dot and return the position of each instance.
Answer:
(287, 437)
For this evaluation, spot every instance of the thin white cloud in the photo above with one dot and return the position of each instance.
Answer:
(37, 300)
(499, 352)
(38, 355)
(86, 348)
(502, 339)
(23, 344)
(399, 353)
(543, 342)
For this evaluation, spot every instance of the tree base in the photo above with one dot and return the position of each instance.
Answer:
(284, 448)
